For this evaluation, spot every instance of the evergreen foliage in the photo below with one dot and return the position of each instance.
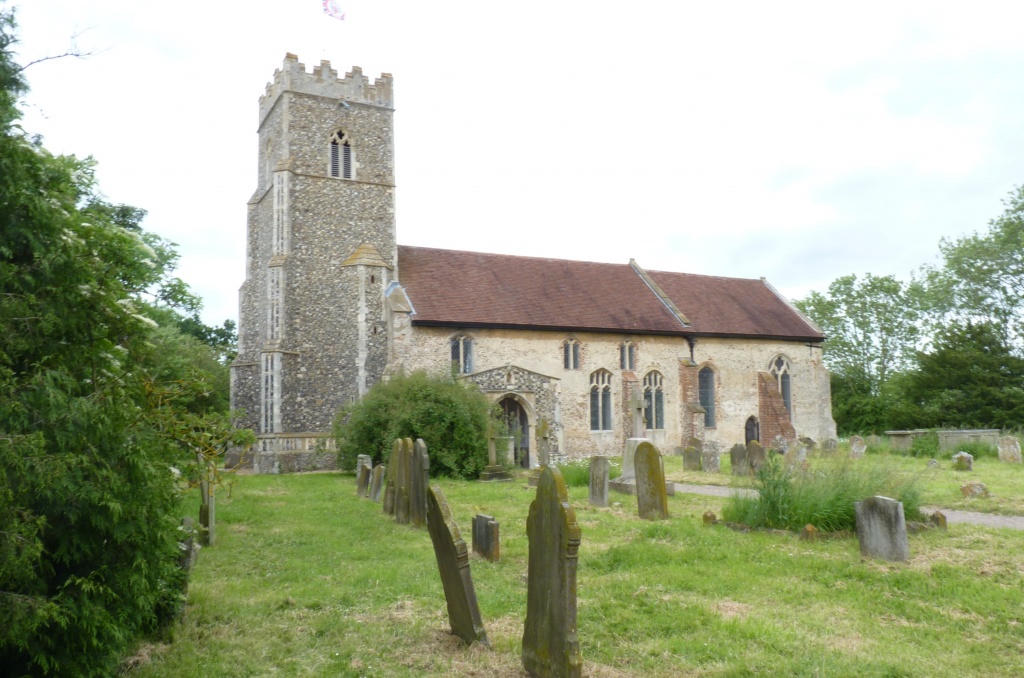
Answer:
(97, 405)
(450, 415)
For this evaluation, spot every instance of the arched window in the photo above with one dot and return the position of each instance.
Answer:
(462, 354)
(706, 393)
(780, 370)
(341, 156)
(601, 401)
(571, 354)
(627, 355)
(654, 400)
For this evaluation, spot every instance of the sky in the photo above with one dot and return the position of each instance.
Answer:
(799, 141)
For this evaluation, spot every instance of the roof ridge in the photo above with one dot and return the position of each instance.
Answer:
(512, 256)
(662, 297)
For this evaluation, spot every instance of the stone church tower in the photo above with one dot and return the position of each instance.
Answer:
(313, 326)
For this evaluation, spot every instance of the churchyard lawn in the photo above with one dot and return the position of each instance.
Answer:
(306, 579)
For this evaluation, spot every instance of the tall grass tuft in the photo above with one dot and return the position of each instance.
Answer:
(577, 473)
(823, 497)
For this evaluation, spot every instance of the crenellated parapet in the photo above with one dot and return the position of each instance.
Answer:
(324, 81)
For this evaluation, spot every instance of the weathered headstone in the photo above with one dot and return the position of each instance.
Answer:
(651, 498)
(402, 472)
(636, 406)
(419, 482)
(933, 463)
(599, 470)
(544, 453)
(390, 479)
(453, 564)
(938, 519)
(363, 460)
(973, 489)
(710, 518)
(551, 646)
(809, 533)
(486, 537)
(755, 456)
(376, 482)
(882, 529)
(362, 479)
(207, 506)
(780, 444)
(857, 447)
(691, 459)
(696, 443)
(829, 446)
(494, 469)
(963, 461)
(189, 547)
(709, 462)
(1009, 450)
(738, 460)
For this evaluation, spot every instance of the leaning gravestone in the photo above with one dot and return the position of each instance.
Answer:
(376, 482)
(551, 646)
(738, 460)
(755, 456)
(486, 537)
(709, 461)
(599, 470)
(390, 479)
(362, 479)
(857, 447)
(651, 498)
(796, 455)
(419, 481)
(453, 564)
(1009, 450)
(963, 461)
(882, 529)
(402, 482)
(691, 459)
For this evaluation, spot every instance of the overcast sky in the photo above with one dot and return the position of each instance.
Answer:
(799, 141)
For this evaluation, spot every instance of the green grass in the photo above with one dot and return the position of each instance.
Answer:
(308, 580)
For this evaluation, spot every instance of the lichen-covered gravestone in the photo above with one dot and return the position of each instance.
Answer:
(402, 482)
(551, 646)
(697, 444)
(419, 481)
(1009, 450)
(882, 529)
(390, 479)
(486, 537)
(376, 482)
(963, 461)
(691, 459)
(651, 497)
(738, 460)
(755, 456)
(857, 447)
(709, 461)
(453, 564)
(599, 471)
(829, 446)
(362, 479)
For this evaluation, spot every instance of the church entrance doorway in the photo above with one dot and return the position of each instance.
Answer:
(519, 428)
(753, 430)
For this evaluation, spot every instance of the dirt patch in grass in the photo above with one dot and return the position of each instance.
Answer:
(143, 656)
(730, 609)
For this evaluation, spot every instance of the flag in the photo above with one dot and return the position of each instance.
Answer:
(333, 9)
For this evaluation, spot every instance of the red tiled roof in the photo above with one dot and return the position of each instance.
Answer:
(472, 289)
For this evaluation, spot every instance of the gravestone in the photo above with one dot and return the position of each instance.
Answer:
(188, 545)
(691, 459)
(494, 470)
(963, 461)
(390, 479)
(755, 456)
(796, 455)
(780, 444)
(363, 460)
(710, 518)
(419, 482)
(486, 537)
(809, 533)
(709, 461)
(362, 479)
(738, 459)
(207, 506)
(544, 451)
(882, 529)
(973, 489)
(829, 446)
(651, 498)
(696, 443)
(938, 519)
(599, 470)
(857, 447)
(933, 463)
(1009, 450)
(376, 481)
(636, 406)
(551, 646)
(808, 443)
(453, 564)
(402, 480)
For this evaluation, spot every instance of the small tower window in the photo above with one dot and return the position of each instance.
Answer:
(571, 354)
(462, 354)
(779, 369)
(654, 400)
(627, 355)
(601, 401)
(341, 156)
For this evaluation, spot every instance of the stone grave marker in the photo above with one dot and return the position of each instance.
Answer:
(738, 459)
(402, 480)
(419, 482)
(207, 506)
(390, 489)
(453, 564)
(809, 533)
(486, 537)
(882, 529)
(780, 444)
(974, 488)
(189, 547)
(376, 481)
(599, 470)
(551, 646)
(691, 459)
(808, 443)
(651, 498)
(755, 456)
(709, 518)
(363, 460)
(829, 446)
(1009, 450)
(857, 447)
(543, 454)
(636, 406)
(494, 470)
(697, 443)
(362, 479)
(709, 461)
(938, 519)
(963, 461)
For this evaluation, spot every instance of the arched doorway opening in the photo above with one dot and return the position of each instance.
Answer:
(518, 422)
(753, 430)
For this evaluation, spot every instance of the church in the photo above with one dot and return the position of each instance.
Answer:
(570, 350)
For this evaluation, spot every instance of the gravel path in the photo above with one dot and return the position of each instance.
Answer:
(952, 516)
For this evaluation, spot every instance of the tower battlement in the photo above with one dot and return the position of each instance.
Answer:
(324, 81)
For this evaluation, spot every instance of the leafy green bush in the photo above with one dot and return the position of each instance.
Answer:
(451, 416)
(926, 445)
(823, 497)
(976, 450)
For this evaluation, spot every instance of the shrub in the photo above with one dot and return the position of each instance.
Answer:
(823, 497)
(926, 445)
(451, 416)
